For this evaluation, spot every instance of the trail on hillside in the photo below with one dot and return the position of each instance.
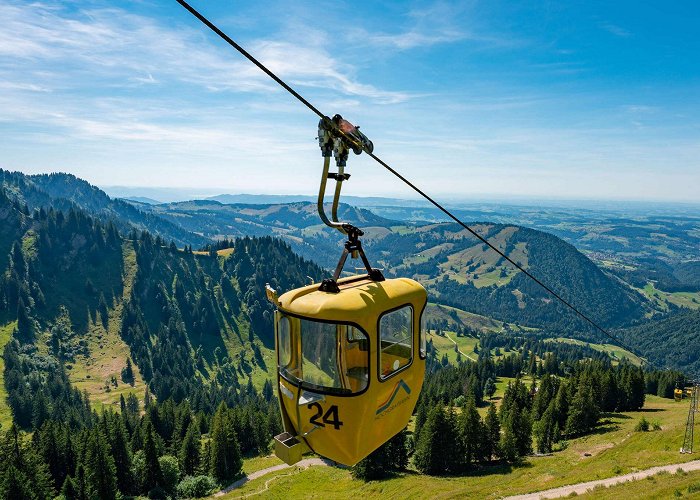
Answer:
(303, 464)
(580, 488)
(458, 349)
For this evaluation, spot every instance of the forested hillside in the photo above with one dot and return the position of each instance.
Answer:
(457, 269)
(517, 298)
(671, 341)
(79, 299)
(190, 322)
(63, 191)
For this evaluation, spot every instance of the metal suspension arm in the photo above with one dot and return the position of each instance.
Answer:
(322, 193)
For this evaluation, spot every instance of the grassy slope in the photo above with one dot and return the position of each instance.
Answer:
(662, 485)
(617, 353)
(108, 352)
(5, 414)
(662, 299)
(615, 449)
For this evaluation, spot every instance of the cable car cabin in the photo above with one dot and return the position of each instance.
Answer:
(350, 366)
(678, 394)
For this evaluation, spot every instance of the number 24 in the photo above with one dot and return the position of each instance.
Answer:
(330, 417)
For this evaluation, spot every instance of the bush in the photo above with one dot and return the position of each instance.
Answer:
(642, 425)
(196, 486)
(171, 471)
(656, 425)
(158, 493)
(694, 488)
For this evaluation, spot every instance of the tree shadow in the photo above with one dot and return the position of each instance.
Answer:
(621, 416)
(603, 428)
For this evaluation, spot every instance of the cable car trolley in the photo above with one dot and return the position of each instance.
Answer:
(350, 351)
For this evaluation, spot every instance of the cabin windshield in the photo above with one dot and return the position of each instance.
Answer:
(330, 357)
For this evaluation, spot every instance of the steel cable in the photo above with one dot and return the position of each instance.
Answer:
(299, 97)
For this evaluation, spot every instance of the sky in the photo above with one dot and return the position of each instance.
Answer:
(571, 100)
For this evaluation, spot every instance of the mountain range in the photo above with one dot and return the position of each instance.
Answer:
(94, 283)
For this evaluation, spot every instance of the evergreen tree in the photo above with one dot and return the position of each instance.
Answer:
(128, 373)
(436, 450)
(69, 490)
(492, 433)
(471, 432)
(25, 324)
(583, 412)
(121, 453)
(489, 388)
(544, 430)
(226, 461)
(383, 462)
(152, 475)
(101, 476)
(190, 451)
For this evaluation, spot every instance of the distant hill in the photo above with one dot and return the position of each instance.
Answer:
(358, 201)
(461, 271)
(63, 191)
(457, 269)
(143, 200)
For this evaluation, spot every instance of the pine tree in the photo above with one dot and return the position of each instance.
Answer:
(544, 430)
(81, 482)
(471, 432)
(128, 373)
(25, 324)
(14, 484)
(492, 431)
(509, 443)
(69, 490)
(436, 450)
(489, 388)
(226, 461)
(389, 458)
(190, 451)
(153, 476)
(421, 417)
(583, 412)
(100, 470)
(121, 453)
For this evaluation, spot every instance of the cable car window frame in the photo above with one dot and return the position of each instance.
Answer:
(331, 391)
(379, 342)
(422, 335)
(287, 347)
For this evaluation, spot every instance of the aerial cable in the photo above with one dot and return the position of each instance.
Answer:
(313, 108)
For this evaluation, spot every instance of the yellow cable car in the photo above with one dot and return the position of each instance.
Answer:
(678, 394)
(351, 365)
(350, 351)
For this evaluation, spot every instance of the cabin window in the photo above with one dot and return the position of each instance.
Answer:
(396, 337)
(423, 334)
(332, 357)
(284, 346)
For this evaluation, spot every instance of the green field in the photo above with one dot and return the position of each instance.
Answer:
(616, 353)
(615, 449)
(690, 300)
(662, 485)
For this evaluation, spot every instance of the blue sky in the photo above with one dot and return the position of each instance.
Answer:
(584, 100)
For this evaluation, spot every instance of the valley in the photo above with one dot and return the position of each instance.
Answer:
(111, 305)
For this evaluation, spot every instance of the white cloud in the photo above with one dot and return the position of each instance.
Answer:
(110, 43)
(615, 30)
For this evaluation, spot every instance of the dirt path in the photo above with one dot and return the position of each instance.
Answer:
(581, 488)
(304, 464)
(458, 349)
